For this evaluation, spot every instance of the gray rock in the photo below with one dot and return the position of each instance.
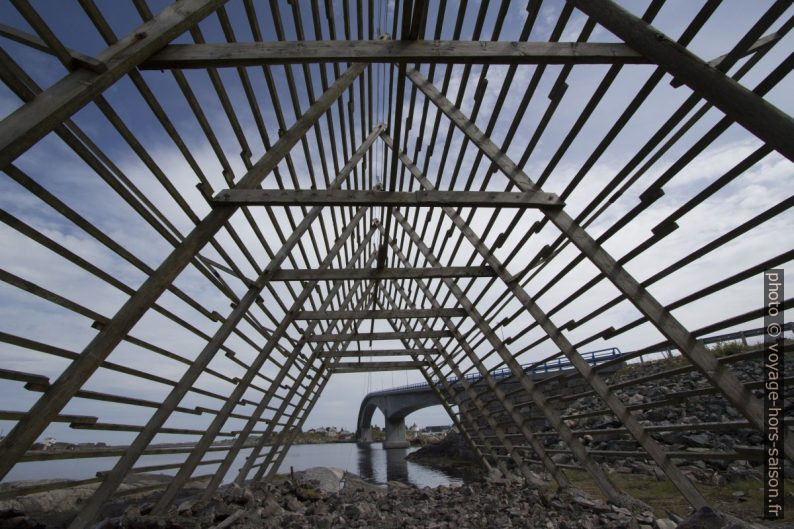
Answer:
(326, 479)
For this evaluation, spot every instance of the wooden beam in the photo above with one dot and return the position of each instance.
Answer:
(360, 367)
(323, 197)
(384, 273)
(31, 122)
(242, 386)
(379, 314)
(28, 429)
(753, 112)
(77, 59)
(360, 337)
(742, 399)
(185, 56)
(378, 352)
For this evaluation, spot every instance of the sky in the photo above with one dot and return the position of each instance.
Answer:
(59, 170)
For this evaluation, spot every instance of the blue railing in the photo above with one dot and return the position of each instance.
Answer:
(559, 364)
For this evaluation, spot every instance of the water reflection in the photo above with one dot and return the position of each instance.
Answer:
(372, 457)
(396, 465)
(371, 462)
(366, 466)
(379, 465)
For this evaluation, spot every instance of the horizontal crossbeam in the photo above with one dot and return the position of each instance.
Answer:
(377, 352)
(184, 56)
(379, 314)
(358, 367)
(322, 197)
(381, 273)
(360, 337)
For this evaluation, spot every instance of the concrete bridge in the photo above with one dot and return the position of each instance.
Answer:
(397, 403)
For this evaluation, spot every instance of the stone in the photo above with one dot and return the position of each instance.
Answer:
(665, 523)
(294, 505)
(703, 518)
(19, 522)
(185, 506)
(271, 508)
(325, 479)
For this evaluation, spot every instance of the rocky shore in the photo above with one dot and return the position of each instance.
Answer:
(330, 498)
(326, 498)
(679, 400)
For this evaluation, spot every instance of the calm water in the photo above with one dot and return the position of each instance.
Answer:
(371, 462)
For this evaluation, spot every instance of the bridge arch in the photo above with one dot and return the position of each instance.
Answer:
(395, 405)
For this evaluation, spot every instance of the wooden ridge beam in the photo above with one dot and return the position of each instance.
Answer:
(358, 367)
(360, 337)
(324, 197)
(379, 314)
(185, 56)
(383, 273)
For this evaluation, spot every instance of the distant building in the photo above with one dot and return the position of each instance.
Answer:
(434, 429)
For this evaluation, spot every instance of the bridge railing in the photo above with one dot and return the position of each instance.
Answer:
(558, 364)
(592, 357)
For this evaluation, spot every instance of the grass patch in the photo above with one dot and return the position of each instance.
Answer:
(662, 496)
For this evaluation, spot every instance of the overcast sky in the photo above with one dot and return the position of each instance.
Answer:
(52, 164)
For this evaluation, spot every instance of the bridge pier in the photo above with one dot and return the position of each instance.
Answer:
(364, 435)
(395, 433)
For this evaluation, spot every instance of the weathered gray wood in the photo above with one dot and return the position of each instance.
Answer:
(323, 197)
(447, 394)
(360, 337)
(78, 59)
(321, 374)
(186, 56)
(383, 273)
(518, 420)
(26, 125)
(28, 429)
(361, 367)
(379, 314)
(538, 397)
(242, 386)
(230, 322)
(770, 124)
(6, 415)
(468, 401)
(287, 365)
(462, 421)
(744, 401)
(599, 386)
(378, 352)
